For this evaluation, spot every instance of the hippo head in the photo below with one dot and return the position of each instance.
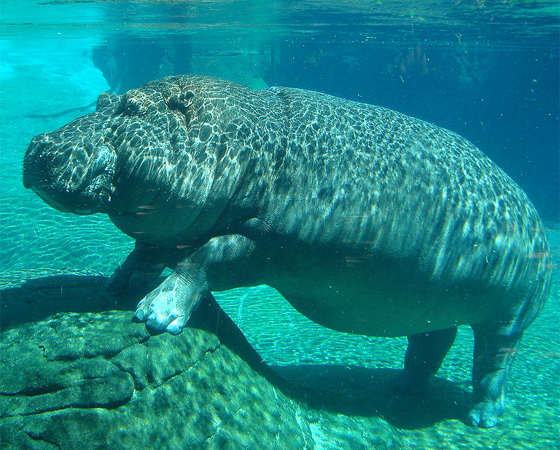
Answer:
(72, 169)
(160, 149)
(77, 168)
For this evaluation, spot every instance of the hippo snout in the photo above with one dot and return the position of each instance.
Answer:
(69, 177)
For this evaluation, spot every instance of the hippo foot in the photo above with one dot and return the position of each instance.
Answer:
(169, 306)
(484, 415)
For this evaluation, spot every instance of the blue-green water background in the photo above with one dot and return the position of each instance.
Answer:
(487, 70)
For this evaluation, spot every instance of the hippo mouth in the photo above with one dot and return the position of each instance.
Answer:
(91, 196)
(93, 199)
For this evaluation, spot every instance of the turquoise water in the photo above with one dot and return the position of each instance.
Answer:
(487, 70)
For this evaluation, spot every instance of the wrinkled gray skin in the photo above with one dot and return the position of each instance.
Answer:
(367, 221)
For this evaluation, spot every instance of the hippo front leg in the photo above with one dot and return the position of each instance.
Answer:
(224, 262)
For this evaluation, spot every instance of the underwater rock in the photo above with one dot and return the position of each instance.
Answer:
(94, 380)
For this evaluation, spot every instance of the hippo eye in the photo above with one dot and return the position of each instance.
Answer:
(182, 103)
(130, 106)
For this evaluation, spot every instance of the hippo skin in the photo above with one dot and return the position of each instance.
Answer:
(366, 220)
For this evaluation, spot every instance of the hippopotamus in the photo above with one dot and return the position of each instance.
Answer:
(366, 220)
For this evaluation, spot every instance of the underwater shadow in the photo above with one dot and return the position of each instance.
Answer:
(38, 298)
(360, 391)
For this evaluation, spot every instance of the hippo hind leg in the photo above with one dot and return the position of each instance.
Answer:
(424, 355)
(494, 352)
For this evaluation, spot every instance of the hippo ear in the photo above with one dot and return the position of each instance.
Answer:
(107, 100)
(182, 103)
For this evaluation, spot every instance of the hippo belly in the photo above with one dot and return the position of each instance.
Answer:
(352, 295)
(368, 221)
